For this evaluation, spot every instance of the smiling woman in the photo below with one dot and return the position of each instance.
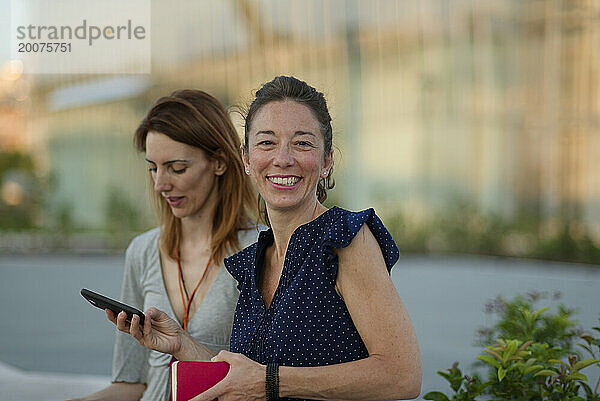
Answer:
(286, 154)
(332, 325)
(271, 101)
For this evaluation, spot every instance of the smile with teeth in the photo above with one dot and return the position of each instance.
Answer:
(287, 181)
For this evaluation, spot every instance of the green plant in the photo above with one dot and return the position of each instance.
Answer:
(524, 371)
(121, 214)
(592, 346)
(465, 388)
(565, 379)
(511, 365)
(528, 368)
(517, 319)
(20, 192)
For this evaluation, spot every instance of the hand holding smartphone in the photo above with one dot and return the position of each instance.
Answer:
(102, 302)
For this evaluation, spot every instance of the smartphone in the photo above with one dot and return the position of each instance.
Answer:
(102, 302)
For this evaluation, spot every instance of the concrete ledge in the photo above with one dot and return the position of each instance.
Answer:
(21, 385)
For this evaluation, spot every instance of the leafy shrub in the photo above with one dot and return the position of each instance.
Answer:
(517, 319)
(592, 346)
(539, 363)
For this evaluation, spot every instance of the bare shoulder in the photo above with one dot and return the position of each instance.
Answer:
(361, 267)
(363, 248)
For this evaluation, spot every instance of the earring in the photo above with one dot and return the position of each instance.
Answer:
(325, 173)
(247, 171)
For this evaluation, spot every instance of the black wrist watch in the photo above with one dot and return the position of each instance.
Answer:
(272, 382)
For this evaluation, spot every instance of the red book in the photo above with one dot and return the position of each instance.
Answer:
(190, 378)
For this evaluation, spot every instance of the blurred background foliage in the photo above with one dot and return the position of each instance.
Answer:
(20, 191)
(462, 228)
(471, 126)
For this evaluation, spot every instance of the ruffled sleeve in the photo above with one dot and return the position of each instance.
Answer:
(347, 224)
(239, 264)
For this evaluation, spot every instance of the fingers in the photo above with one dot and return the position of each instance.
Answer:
(157, 315)
(130, 327)
(147, 325)
(162, 322)
(110, 315)
(122, 323)
(223, 356)
(134, 328)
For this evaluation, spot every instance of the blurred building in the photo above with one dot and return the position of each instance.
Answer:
(14, 109)
(494, 104)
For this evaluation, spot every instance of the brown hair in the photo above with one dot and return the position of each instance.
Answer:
(280, 89)
(197, 119)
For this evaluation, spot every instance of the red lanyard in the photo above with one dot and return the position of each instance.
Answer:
(186, 307)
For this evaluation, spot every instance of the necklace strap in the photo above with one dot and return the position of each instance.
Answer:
(182, 289)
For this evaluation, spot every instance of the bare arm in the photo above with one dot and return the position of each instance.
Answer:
(117, 392)
(391, 371)
(393, 368)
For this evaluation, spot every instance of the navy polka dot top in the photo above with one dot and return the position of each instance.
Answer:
(307, 323)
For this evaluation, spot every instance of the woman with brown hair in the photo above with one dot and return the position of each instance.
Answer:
(203, 199)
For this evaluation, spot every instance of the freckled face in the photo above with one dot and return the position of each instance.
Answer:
(286, 154)
(184, 175)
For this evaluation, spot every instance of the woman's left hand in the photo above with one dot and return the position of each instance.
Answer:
(244, 381)
(160, 332)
